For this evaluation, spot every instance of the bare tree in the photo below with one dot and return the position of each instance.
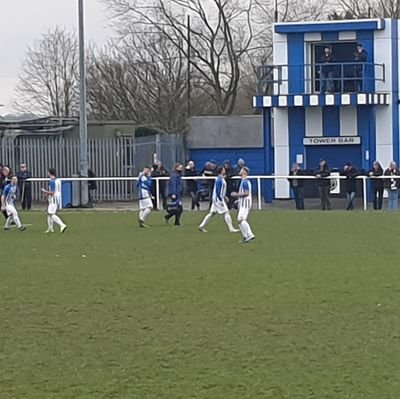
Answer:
(48, 82)
(370, 8)
(221, 34)
(142, 79)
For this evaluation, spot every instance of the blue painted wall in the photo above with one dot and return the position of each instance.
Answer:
(295, 53)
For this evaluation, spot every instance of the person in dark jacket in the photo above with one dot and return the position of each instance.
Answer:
(25, 187)
(231, 183)
(350, 184)
(297, 186)
(92, 186)
(392, 186)
(158, 170)
(327, 71)
(360, 58)
(191, 185)
(377, 184)
(324, 184)
(175, 192)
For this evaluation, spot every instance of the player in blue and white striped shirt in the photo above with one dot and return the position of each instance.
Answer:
(8, 198)
(143, 186)
(54, 198)
(218, 205)
(244, 205)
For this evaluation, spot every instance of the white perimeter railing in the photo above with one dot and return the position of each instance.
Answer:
(202, 178)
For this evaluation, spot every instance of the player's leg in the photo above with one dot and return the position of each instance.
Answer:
(205, 221)
(145, 207)
(55, 218)
(13, 216)
(229, 223)
(244, 225)
(50, 224)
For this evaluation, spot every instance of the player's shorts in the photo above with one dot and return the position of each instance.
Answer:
(145, 203)
(52, 209)
(10, 209)
(219, 207)
(243, 214)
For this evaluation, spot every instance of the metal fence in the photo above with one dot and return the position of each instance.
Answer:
(108, 157)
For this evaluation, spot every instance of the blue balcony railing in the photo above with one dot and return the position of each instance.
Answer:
(344, 77)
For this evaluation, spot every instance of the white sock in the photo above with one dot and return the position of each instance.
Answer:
(228, 221)
(8, 221)
(247, 229)
(206, 220)
(57, 220)
(50, 224)
(141, 215)
(242, 230)
(17, 220)
(145, 213)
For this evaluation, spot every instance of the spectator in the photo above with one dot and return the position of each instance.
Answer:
(175, 192)
(158, 171)
(191, 185)
(360, 58)
(327, 71)
(324, 184)
(377, 185)
(297, 186)
(350, 184)
(25, 187)
(392, 185)
(231, 183)
(92, 186)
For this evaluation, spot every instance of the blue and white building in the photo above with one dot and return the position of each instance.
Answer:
(358, 121)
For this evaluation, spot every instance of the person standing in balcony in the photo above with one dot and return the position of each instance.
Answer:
(360, 58)
(327, 71)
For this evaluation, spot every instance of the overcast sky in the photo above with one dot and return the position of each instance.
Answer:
(23, 21)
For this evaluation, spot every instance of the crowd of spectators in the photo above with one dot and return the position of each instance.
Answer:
(380, 180)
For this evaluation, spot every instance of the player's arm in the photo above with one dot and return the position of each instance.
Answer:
(52, 189)
(3, 198)
(245, 193)
(3, 202)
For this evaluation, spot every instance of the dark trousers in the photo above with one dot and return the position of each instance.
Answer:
(324, 196)
(299, 197)
(378, 198)
(26, 199)
(350, 200)
(195, 200)
(177, 212)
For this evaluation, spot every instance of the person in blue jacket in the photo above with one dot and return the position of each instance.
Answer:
(175, 191)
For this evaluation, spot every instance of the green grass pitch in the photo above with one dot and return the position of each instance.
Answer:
(311, 309)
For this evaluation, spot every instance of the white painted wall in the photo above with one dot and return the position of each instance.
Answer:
(384, 125)
(314, 127)
(281, 142)
(280, 57)
(348, 121)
